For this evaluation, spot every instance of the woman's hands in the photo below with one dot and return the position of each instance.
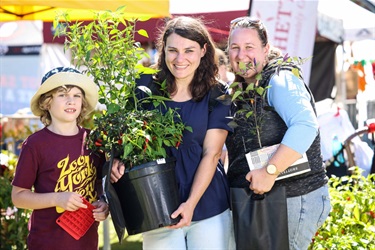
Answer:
(186, 211)
(260, 181)
(117, 171)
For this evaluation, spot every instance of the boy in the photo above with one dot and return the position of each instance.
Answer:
(55, 170)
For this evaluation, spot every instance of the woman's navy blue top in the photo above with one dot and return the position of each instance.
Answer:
(215, 199)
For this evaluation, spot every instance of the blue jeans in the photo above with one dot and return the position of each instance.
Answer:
(212, 233)
(306, 214)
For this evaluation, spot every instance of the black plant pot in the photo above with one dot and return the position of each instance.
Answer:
(148, 194)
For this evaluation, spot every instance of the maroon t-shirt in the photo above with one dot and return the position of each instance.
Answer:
(54, 163)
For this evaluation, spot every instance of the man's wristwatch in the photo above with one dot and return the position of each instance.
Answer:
(272, 170)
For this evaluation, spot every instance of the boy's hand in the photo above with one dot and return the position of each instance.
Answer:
(101, 210)
(69, 201)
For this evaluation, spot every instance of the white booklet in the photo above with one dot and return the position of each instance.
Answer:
(259, 159)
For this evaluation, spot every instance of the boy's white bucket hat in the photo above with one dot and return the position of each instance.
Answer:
(63, 76)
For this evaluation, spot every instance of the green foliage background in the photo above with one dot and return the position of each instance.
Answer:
(13, 221)
(351, 224)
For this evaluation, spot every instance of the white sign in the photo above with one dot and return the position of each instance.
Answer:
(291, 27)
(19, 81)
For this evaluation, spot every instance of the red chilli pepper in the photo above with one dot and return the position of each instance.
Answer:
(98, 142)
(146, 144)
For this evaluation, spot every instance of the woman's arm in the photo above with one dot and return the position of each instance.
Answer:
(212, 148)
(291, 100)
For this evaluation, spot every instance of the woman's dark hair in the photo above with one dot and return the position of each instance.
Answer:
(205, 75)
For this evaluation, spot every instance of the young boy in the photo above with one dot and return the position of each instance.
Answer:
(55, 170)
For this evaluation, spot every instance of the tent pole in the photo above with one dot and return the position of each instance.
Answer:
(340, 98)
(249, 10)
(106, 237)
(343, 81)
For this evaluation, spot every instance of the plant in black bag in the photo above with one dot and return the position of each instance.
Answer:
(260, 221)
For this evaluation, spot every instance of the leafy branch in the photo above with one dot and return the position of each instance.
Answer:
(248, 95)
(106, 50)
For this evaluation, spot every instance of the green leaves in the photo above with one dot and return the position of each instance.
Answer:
(105, 48)
(13, 221)
(351, 224)
(143, 134)
(250, 97)
(236, 95)
(142, 32)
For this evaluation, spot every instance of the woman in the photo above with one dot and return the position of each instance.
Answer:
(285, 116)
(187, 64)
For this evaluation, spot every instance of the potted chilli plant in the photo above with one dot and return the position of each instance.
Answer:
(126, 129)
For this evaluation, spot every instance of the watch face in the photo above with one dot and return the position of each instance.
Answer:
(271, 169)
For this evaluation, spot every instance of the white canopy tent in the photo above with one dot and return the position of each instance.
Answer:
(343, 20)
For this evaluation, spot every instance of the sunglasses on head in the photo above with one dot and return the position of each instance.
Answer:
(248, 19)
